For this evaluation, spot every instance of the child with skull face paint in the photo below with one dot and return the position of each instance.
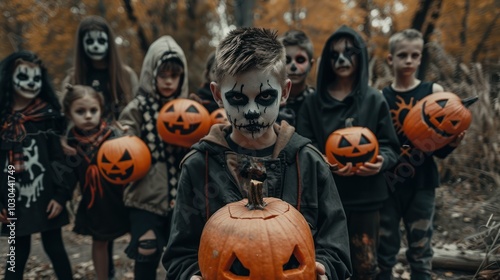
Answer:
(164, 77)
(97, 63)
(299, 61)
(33, 195)
(343, 93)
(250, 83)
(101, 212)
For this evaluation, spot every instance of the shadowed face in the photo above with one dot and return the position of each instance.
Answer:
(298, 64)
(85, 113)
(407, 57)
(344, 57)
(27, 80)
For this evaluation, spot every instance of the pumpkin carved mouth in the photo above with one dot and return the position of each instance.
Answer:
(427, 120)
(358, 159)
(116, 174)
(173, 128)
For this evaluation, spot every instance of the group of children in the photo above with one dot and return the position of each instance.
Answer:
(259, 79)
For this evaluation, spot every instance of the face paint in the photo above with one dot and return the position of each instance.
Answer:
(95, 44)
(344, 57)
(27, 79)
(252, 102)
(298, 64)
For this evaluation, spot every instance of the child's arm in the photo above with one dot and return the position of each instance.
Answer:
(181, 255)
(131, 118)
(387, 137)
(304, 122)
(437, 88)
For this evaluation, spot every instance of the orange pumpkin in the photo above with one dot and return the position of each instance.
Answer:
(123, 160)
(436, 120)
(219, 116)
(183, 122)
(257, 238)
(351, 144)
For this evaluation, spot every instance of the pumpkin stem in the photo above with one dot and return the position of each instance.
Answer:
(348, 122)
(469, 100)
(255, 196)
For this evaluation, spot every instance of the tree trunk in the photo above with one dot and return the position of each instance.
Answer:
(486, 35)
(244, 12)
(143, 41)
(426, 26)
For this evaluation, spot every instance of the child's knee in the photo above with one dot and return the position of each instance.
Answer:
(147, 244)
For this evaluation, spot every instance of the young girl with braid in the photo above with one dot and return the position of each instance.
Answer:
(101, 212)
(34, 193)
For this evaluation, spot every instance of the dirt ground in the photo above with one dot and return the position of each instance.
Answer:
(461, 211)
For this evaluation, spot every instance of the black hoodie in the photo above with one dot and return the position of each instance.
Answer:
(320, 115)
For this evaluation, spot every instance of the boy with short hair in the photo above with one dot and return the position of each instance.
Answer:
(299, 61)
(414, 178)
(343, 94)
(250, 83)
(164, 77)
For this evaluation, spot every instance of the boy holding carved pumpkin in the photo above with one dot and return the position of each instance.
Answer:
(413, 179)
(250, 83)
(342, 97)
(164, 77)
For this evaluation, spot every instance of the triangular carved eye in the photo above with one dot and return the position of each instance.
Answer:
(442, 103)
(292, 263)
(105, 159)
(440, 119)
(192, 109)
(237, 268)
(344, 143)
(126, 156)
(363, 140)
(170, 109)
(454, 123)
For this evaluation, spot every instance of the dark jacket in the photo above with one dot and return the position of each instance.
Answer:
(320, 115)
(213, 160)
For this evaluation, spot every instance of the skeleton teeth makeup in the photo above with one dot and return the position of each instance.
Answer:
(95, 43)
(252, 102)
(27, 79)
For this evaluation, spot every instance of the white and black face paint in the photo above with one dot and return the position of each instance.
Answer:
(27, 79)
(95, 43)
(252, 102)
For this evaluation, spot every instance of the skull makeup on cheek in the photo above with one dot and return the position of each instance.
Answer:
(95, 43)
(27, 80)
(252, 102)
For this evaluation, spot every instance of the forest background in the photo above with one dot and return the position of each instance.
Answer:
(462, 53)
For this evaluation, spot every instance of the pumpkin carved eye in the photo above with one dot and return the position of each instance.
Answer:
(183, 122)
(435, 120)
(352, 144)
(123, 160)
(219, 116)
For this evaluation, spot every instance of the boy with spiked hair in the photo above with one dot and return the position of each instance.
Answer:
(250, 83)
(413, 179)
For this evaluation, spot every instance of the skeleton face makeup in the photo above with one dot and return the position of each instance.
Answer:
(27, 80)
(251, 101)
(95, 43)
(344, 57)
(298, 64)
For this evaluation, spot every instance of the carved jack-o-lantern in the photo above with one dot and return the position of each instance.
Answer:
(351, 144)
(183, 122)
(257, 239)
(124, 159)
(436, 120)
(219, 116)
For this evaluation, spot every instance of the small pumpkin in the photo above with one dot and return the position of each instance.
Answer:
(219, 116)
(435, 120)
(353, 144)
(123, 160)
(257, 238)
(183, 122)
